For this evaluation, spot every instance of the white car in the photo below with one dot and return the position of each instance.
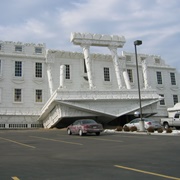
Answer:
(147, 123)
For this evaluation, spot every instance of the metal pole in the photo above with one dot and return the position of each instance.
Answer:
(141, 123)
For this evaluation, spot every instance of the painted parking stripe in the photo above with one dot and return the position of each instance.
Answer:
(22, 144)
(15, 178)
(147, 172)
(56, 140)
(89, 137)
(101, 139)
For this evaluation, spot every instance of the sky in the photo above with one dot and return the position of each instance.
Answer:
(155, 22)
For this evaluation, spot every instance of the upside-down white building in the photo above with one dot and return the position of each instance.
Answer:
(52, 88)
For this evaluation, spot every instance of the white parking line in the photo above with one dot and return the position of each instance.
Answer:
(89, 137)
(147, 172)
(22, 144)
(15, 178)
(56, 140)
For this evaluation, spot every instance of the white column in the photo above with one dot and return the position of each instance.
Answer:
(126, 79)
(117, 66)
(125, 74)
(88, 63)
(62, 75)
(145, 73)
(49, 76)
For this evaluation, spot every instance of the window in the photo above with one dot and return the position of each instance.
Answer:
(162, 102)
(175, 99)
(18, 68)
(176, 115)
(17, 95)
(130, 74)
(0, 67)
(38, 95)
(157, 60)
(0, 94)
(128, 58)
(159, 77)
(173, 79)
(38, 70)
(85, 69)
(18, 48)
(38, 50)
(106, 74)
(67, 71)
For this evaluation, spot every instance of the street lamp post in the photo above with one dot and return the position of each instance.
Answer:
(141, 122)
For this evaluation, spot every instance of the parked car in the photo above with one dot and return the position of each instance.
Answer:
(147, 123)
(85, 126)
(171, 121)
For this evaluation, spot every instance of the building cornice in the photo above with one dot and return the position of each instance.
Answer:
(97, 39)
(74, 55)
(22, 55)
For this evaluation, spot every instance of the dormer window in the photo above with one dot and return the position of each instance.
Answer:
(157, 60)
(18, 48)
(128, 58)
(38, 50)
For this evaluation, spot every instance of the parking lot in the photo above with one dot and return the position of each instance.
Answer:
(54, 155)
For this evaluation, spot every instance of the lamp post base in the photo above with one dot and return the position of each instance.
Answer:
(141, 125)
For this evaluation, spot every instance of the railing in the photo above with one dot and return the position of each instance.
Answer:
(20, 126)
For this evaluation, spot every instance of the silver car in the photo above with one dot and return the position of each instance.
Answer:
(147, 123)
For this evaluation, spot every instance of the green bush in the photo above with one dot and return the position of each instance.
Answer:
(133, 128)
(169, 130)
(160, 130)
(119, 128)
(150, 129)
(126, 128)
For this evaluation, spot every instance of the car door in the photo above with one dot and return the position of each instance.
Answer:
(136, 123)
(74, 127)
(176, 120)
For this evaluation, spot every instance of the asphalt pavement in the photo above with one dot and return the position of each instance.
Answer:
(54, 155)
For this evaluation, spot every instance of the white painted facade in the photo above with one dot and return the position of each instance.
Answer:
(80, 84)
(24, 113)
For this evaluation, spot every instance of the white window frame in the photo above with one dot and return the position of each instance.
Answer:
(0, 95)
(21, 70)
(18, 48)
(162, 102)
(67, 72)
(107, 77)
(36, 96)
(1, 67)
(173, 78)
(130, 75)
(21, 95)
(159, 75)
(38, 50)
(128, 58)
(35, 70)
(175, 98)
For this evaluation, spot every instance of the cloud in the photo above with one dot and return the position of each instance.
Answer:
(155, 22)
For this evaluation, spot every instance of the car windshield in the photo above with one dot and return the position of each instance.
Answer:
(89, 121)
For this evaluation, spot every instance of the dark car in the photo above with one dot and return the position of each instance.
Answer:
(85, 126)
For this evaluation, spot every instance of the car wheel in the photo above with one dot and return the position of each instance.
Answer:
(98, 133)
(80, 132)
(69, 132)
(166, 125)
